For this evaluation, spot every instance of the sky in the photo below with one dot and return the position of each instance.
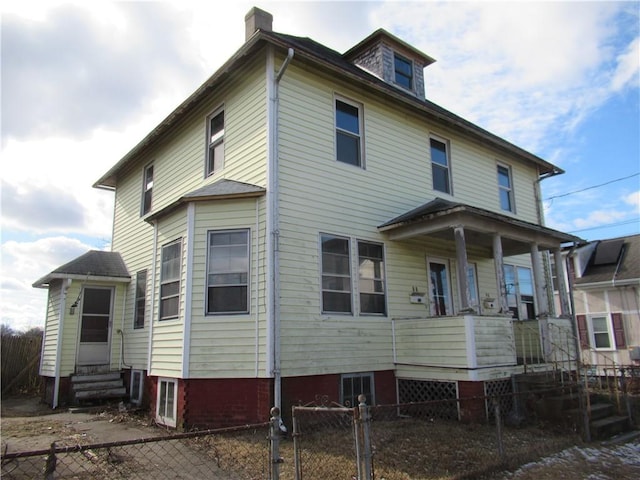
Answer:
(83, 82)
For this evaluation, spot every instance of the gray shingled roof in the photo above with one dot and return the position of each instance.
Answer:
(625, 267)
(94, 263)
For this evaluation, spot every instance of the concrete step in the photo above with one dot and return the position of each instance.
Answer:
(608, 427)
(78, 387)
(598, 411)
(92, 369)
(98, 377)
(99, 394)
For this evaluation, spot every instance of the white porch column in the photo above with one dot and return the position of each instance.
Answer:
(498, 259)
(565, 310)
(462, 263)
(540, 282)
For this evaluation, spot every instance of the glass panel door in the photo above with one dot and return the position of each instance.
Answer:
(439, 288)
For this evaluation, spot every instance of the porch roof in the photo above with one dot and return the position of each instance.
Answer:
(438, 217)
(95, 264)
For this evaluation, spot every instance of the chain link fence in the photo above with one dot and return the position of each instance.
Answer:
(422, 440)
(418, 440)
(225, 454)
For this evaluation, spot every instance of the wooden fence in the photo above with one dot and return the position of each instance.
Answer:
(20, 363)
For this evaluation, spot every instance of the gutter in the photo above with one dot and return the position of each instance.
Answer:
(273, 235)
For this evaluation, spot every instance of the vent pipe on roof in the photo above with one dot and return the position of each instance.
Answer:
(255, 20)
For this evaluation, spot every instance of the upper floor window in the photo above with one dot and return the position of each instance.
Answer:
(228, 272)
(371, 280)
(505, 186)
(147, 189)
(348, 133)
(403, 71)
(603, 331)
(336, 274)
(215, 141)
(440, 170)
(141, 293)
(170, 280)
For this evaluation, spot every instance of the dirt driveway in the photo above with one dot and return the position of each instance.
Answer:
(29, 425)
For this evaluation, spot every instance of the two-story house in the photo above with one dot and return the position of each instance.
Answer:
(306, 226)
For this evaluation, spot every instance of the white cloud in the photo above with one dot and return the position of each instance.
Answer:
(633, 199)
(529, 72)
(22, 264)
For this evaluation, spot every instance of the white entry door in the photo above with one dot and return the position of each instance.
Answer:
(439, 289)
(95, 326)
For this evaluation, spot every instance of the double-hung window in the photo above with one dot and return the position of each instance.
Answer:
(228, 272)
(440, 170)
(336, 274)
(348, 133)
(147, 189)
(170, 280)
(505, 188)
(403, 71)
(141, 293)
(371, 279)
(215, 142)
(602, 331)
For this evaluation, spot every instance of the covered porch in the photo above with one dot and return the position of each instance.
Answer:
(513, 324)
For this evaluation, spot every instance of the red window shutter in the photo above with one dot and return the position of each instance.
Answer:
(583, 333)
(618, 330)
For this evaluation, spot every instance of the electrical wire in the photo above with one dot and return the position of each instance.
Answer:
(595, 186)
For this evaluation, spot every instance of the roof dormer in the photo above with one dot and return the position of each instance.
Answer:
(394, 61)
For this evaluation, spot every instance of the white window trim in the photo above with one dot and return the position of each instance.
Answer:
(219, 137)
(592, 333)
(510, 191)
(351, 270)
(447, 144)
(136, 397)
(146, 188)
(358, 291)
(162, 281)
(360, 108)
(206, 281)
(161, 419)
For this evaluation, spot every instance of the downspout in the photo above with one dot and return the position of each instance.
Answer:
(63, 307)
(272, 218)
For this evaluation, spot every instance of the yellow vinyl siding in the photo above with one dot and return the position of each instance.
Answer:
(320, 195)
(52, 324)
(70, 331)
(442, 344)
(224, 346)
(179, 167)
(167, 341)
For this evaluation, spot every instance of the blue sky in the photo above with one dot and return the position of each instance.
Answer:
(83, 82)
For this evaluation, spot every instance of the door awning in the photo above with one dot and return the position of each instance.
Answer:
(439, 217)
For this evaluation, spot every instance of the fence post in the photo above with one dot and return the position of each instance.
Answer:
(274, 444)
(496, 406)
(50, 464)
(364, 420)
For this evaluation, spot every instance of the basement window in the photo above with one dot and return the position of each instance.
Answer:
(166, 404)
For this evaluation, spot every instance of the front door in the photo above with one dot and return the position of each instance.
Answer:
(439, 290)
(95, 325)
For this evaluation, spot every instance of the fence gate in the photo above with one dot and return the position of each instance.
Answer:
(329, 439)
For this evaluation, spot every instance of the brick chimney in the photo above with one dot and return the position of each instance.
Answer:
(255, 20)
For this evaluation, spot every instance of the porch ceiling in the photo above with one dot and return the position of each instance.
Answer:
(438, 218)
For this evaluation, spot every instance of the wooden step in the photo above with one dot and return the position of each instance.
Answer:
(99, 394)
(78, 387)
(608, 427)
(98, 377)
